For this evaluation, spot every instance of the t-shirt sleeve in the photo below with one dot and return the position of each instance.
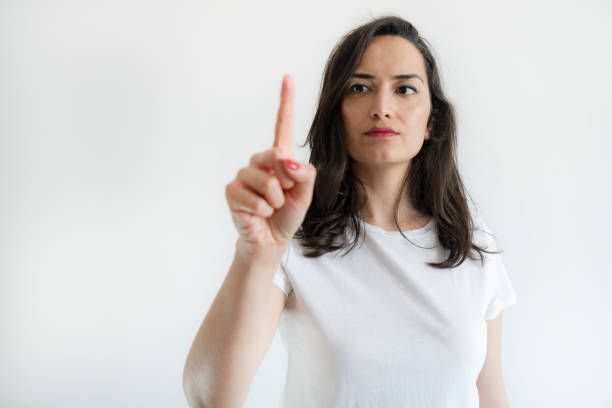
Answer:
(504, 294)
(282, 280)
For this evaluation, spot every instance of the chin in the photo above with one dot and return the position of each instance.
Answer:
(377, 161)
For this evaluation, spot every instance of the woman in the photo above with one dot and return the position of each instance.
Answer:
(369, 246)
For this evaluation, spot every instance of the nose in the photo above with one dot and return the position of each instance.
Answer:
(381, 106)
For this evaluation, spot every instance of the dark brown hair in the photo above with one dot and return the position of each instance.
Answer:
(432, 181)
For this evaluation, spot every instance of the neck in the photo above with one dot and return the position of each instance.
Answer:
(382, 185)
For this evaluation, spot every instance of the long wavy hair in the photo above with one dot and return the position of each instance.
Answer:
(432, 181)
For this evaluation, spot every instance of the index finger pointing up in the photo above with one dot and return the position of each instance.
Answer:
(284, 121)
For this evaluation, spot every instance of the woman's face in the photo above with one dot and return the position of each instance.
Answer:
(384, 101)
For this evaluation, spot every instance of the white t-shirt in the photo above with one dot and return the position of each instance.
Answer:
(380, 328)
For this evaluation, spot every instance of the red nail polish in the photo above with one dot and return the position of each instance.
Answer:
(292, 165)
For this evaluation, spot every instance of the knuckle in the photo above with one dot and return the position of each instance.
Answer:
(278, 153)
(261, 207)
(270, 184)
(229, 198)
(242, 172)
(254, 158)
(229, 187)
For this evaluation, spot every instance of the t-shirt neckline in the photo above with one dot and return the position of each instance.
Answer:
(411, 232)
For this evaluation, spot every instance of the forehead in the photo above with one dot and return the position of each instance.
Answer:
(388, 55)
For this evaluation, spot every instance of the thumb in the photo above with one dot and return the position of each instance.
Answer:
(304, 177)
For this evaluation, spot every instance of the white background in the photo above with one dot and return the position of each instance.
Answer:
(121, 122)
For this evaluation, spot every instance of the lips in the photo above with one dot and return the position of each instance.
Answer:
(376, 131)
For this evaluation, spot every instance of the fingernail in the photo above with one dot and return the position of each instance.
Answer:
(292, 165)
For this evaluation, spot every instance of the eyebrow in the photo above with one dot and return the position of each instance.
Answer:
(401, 76)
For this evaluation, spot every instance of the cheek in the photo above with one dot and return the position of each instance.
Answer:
(348, 118)
(419, 115)
(345, 115)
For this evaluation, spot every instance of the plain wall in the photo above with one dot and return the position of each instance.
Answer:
(121, 122)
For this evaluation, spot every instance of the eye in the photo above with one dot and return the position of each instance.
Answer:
(409, 87)
(352, 86)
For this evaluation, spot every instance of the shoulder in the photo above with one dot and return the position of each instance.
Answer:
(482, 234)
(294, 252)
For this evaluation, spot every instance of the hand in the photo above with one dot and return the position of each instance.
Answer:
(268, 200)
